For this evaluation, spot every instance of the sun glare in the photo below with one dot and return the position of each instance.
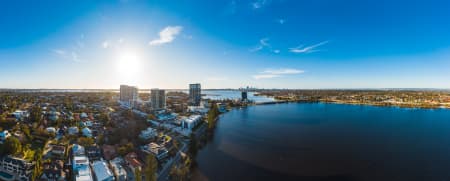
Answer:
(128, 64)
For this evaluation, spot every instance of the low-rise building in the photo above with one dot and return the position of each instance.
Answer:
(54, 171)
(58, 150)
(78, 150)
(80, 168)
(191, 121)
(160, 152)
(17, 168)
(131, 160)
(20, 114)
(93, 153)
(87, 132)
(118, 170)
(102, 172)
(148, 133)
(51, 130)
(73, 130)
(3, 135)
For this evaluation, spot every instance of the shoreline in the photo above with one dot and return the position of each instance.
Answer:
(351, 103)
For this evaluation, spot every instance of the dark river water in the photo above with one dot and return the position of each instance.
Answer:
(328, 142)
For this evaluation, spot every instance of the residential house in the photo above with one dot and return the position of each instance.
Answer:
(131, 160)
(54, 171)
(148, 133)
(101, 171)
(160, 152)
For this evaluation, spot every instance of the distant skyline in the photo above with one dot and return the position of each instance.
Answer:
(169, 44)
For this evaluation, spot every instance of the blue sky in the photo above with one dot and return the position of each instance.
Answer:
(225, 44)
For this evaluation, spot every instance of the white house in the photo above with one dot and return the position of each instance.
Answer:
(78, 150)
(83, 115)
(148, 133)
(80, 168)
(86, 132)
(73, 130)
(51, 130)
(19, 114)
(191, 121)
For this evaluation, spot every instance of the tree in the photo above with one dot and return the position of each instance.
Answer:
(137, 175)
(150, 169)
(7, 123)
(85, 141)
(36, 114)
(37, 168)
(12, 145)
(151, 117)
(193, 146)
(212, 116)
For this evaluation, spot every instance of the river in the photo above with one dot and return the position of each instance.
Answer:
(318, 141)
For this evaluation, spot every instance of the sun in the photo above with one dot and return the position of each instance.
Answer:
(128, 64)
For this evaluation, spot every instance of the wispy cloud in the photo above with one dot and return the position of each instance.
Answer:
(259, 4)
(307, 49)
(167, 35)
(59, 51)
(273, 73)
(75, 57)
(264, 42)
(283, 71)
(69, 55)
(114, 43)
(281, 21)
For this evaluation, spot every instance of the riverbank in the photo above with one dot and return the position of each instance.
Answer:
(379, 104)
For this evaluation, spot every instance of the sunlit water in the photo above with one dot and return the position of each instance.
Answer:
(328, 142)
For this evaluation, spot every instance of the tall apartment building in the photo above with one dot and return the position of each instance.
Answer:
(158, 99)
(128, 94)
(195, 94)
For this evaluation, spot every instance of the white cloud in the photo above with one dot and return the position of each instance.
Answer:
(59, 51)
(264, 42)
(273, 73)
(167, 35)
(283, 71)
(67, 54)
(307, 49)
(257, 48)
(259, 4)
(276, 51)
(105, 44)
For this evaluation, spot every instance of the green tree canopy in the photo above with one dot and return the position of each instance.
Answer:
(12, 145)
(150, 169)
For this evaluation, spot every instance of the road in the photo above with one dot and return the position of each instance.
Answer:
(164, 174)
